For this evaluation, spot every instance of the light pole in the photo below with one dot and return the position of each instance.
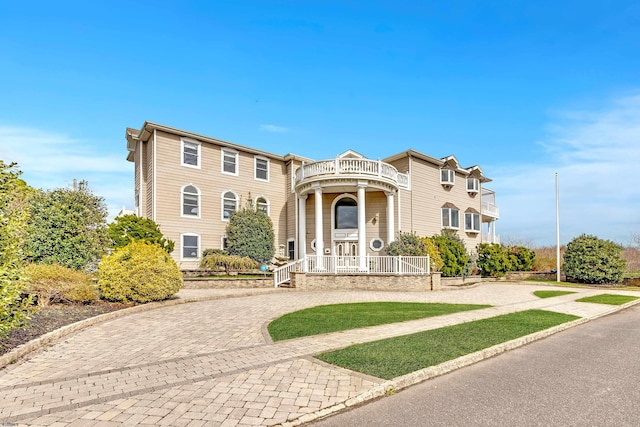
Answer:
(557, 231)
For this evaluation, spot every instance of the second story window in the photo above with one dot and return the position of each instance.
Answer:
(190, 201)
(473, 185)
(450, 218)
(262, 168)
(472, 222)
(229, 162)
(447, 176)
(190, 154)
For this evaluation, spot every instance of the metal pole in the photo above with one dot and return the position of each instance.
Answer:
(557, 230)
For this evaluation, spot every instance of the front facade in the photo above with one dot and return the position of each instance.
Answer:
(349, 206)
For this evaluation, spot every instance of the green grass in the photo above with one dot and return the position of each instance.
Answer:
(341, 317)
(608, 299)
(553, 282)
(550, 294)
(397, 356)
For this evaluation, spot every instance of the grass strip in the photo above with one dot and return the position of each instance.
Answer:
(398, 356)
(608, 299)
(341, 317)
(550, 294)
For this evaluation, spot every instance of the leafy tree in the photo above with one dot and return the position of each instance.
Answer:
(521, 258)
(132, 227)
(13, 221)
(493, 260)
(589, 259)
(453, 252)
(68, 227)
(250, 234)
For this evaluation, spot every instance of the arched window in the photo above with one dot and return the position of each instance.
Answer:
(229, 204)
(190, 201)
(346, 213)
(262, 205)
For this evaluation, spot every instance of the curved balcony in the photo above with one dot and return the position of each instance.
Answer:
(351, 168)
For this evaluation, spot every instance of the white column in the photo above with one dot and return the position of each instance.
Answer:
(390, 217)
(319, 228)
(362, 226)
(302, 226)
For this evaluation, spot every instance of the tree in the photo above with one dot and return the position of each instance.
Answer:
(68, 227)
(126, 228)
(521, 258)
(589, 259)
(453, 252)
(13, 223)
(250, 234)
(493, 260)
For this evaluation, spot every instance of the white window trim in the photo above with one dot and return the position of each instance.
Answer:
(224, 150)
(451, 175)
(255, 168)
(373, 248)
(182, 202)
(191, 142)
(313, 245)
(476, 185)
(222, 203)
(450, 227)
(182, 236)
(266, 199)
(472, 230)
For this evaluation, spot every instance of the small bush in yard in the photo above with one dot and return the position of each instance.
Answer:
(55, 283)
(139, 272)
(589, 259)
(214, 260)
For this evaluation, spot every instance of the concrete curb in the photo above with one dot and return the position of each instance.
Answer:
(19, 352)
(391, 386)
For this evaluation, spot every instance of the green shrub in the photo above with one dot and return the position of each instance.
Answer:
(407, 244)
(453, 252)
(215, 261)
(250, 234)
(434, 254)
(55, 283)
(132, 227)
(521, 258)
(139, 272)
(207, 252)
(589, 259)
(493, 260)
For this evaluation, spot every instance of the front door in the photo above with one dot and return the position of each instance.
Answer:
(346, 255)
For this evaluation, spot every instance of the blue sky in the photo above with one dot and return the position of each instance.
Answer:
(524, 89)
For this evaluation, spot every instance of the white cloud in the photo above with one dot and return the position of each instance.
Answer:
(274, 129)
(595, 154)
(49, 160)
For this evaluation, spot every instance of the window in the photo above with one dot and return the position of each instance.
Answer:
(190, 246)
(472, 222)
(224, 244)
(262, 168)
(262, 205)
(229, 204)
(190, 154)
(346, 213)
(229, 162)
(473, 185)
(376, 244)
(450, 218)
(136, 203)
(291, 249)
(447, 176)
(190, 201)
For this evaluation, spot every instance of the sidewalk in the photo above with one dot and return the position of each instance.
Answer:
(212, 363)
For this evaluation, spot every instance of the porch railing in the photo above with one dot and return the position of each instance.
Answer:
(352, 166)
(333, 264)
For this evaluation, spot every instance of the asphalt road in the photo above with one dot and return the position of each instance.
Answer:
(586, 376)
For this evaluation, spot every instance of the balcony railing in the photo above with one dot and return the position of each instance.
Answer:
(366, 167)
(490, 209)
(490, 238)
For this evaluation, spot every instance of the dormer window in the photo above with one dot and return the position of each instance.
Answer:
(447, 176)
(473, 185)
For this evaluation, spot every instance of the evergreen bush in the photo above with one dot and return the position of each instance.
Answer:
(453, 252)
(493, 260)
(589, 259)
(250, 234)
(132, 227)
(139, 272)
(55, 283)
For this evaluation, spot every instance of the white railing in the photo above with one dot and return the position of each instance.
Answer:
(490, 238)
(283, 274)
(490, 209)
(352, 166)
(334, 264)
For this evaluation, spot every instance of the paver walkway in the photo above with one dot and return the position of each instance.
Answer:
(211, 362)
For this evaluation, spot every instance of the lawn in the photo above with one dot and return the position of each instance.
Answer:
(341, 317)
(398, 356)
(608, 299)
(550, 294)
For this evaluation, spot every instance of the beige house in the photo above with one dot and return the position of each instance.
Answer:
(349, 206)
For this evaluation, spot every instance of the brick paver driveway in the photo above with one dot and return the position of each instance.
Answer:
(211, 362)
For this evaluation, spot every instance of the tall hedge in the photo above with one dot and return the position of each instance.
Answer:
(589, 259)
(453, 252)
(250, 234)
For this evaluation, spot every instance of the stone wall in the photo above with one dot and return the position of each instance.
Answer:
(213, 283)
(372, 282)
(525, 275)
